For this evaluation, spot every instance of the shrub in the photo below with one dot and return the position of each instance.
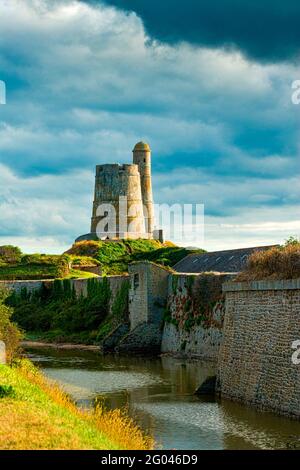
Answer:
(10, 254)
(7, 391)
(9, 333)
(85, 248)
(282, 262)
(62, 267)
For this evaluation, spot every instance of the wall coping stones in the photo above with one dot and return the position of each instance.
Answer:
(34, 281)
(213, 273)
(283, 284)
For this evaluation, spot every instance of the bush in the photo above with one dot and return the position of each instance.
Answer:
(62, 267)
(9, 333)
(7, 391)
(10, 254)
(85, 248)
(282, 262)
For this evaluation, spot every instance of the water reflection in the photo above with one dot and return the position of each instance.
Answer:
(159, 394)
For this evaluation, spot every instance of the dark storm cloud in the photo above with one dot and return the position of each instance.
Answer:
(222, 128)
(266, 30)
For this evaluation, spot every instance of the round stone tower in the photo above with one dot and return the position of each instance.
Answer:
(118, 207)
(123, 202)
(142, 158)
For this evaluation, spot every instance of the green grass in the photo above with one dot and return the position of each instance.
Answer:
(27, 272)
(42, 423)
(35, 414)
(77, 274)
(114, 256)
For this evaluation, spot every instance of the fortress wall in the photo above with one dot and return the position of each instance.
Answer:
(255, 365)
(148, 293)
(194, 317)
(80, 285)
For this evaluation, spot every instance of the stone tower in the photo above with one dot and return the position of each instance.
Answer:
(123, 201)
(142, 158)
(113, 184)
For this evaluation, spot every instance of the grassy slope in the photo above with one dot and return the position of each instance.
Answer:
(31, 272)
(40, 416)
(27, 272)
(114, 257)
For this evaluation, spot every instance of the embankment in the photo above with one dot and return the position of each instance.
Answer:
(35, 414)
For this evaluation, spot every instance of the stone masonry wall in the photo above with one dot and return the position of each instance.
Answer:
(194, 316)
(148, 293)
(255, 365)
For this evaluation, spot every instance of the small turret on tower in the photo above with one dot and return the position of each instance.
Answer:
(142, 158)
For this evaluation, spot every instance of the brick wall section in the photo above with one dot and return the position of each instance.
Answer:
(262, 320)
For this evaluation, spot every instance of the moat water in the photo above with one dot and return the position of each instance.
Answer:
(159, 394)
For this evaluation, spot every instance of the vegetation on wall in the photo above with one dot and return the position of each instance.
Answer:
(193, 302)
(119, 312)
(281, 262)
(58, 314)
(120, 305)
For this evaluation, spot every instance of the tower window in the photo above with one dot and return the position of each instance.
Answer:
(144, 160)
(136, 281)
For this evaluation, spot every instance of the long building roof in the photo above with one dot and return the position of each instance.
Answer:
(226, 261)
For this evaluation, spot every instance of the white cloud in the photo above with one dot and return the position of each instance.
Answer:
(84, 83)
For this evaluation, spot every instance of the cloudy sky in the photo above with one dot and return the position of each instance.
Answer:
(206, 82)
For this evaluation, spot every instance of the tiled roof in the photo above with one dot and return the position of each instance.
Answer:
(226, 261)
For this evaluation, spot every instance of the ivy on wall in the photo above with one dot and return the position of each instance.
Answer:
(55, 307)
(194, 300)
